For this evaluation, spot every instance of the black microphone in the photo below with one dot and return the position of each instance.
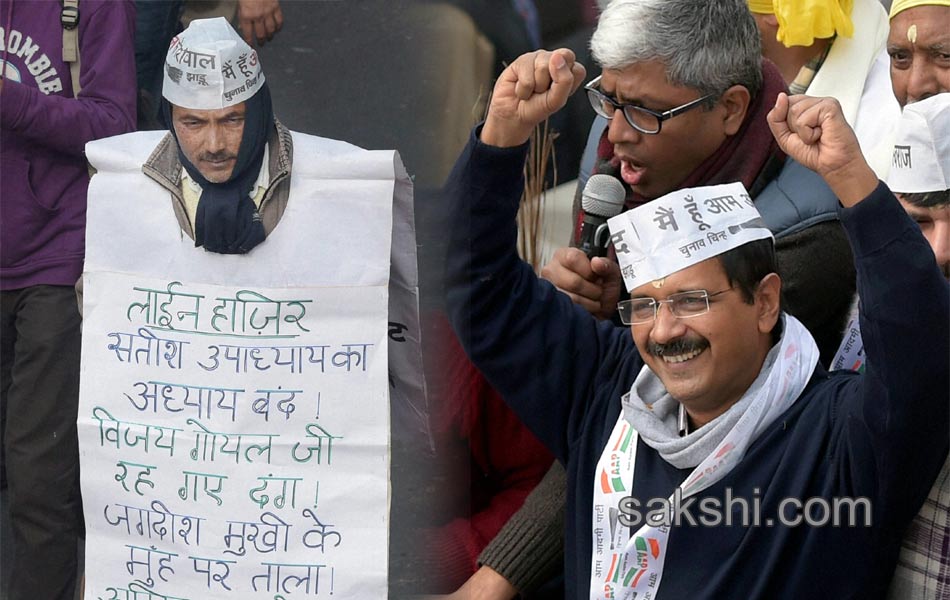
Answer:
(602, 198)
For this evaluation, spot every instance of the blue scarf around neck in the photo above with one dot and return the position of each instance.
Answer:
(227, 221)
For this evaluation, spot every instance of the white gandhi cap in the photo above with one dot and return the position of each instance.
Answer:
(209, 67)
(921, 160)
(683, 228)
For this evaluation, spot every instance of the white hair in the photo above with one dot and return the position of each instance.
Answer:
(707, 45)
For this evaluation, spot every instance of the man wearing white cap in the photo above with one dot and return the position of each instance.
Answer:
(918, 46)
(226, 159)
(200, 206)
(920, 175)
(920, 171)
(760, 420)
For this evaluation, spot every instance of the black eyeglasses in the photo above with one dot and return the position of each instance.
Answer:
(642, 119)
(683, 306)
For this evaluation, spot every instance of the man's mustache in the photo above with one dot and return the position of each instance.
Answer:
(216, 156)
(678, 346)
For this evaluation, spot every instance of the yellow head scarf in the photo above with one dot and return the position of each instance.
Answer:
(902, 5)
(761, 7)
(801, 21)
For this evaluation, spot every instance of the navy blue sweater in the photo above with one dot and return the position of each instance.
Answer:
(882, 435)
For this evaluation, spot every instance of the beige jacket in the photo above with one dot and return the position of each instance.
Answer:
(164, 168)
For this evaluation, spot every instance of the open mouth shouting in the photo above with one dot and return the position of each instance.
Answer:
(631, 171)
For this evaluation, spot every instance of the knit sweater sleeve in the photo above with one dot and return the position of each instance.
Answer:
(538, 349)
(895, 421)
(529, 550)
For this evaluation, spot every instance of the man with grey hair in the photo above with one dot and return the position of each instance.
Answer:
(708, 50)
(656, 512)
(693, 93)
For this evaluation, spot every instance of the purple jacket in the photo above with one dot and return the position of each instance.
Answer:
(43, 130)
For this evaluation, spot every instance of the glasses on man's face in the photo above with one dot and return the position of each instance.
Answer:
(642, 119)
(683, 306)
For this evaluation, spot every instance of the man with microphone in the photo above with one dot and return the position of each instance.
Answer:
(653, 154)
(683, 111)
(764, 420)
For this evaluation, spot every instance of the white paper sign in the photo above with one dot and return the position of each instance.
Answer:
(237, 438)
(234, 410)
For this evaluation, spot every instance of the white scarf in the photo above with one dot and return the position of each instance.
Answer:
(622, 564)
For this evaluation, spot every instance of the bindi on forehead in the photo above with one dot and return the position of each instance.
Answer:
(921, 24)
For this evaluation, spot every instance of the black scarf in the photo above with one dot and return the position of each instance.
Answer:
(227, 222)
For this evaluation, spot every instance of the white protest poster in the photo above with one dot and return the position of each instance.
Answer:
(235, 410)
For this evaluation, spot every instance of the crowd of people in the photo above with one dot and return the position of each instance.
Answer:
(803, 352)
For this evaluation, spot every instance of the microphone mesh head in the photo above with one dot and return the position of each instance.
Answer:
(603, 196)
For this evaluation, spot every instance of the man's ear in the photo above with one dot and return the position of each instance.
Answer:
(735, 100)
(768, 295)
